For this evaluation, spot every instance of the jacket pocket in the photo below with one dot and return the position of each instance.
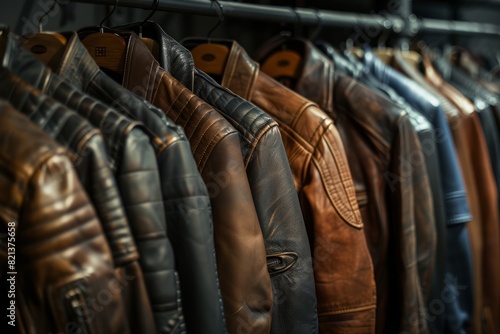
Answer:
(69, 305)
(280, 262)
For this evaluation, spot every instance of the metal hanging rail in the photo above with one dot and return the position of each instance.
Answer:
(406, 26)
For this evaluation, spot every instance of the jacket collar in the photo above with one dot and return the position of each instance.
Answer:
(316, 80)
(140, 68)
(241, 72)
(173, 57)
(77, 64)
(404, 66)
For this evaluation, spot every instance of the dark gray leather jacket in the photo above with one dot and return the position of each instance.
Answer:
(134, 163)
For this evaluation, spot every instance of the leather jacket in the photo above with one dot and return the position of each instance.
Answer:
(185, 196)
(244, 280)
(273, 191)
(459, 263)
(485, 234)
(89, 157)
(133, 161)
(326, 195)
(47, 204)
(271, 183)
(287, 246)
(487, 105)
(352, 67)
(427, 137)
(356, 110)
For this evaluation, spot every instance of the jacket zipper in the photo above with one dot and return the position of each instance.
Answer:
(77, 308)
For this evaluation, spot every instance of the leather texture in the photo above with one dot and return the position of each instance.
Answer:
(405, 227)
(185, 197)
(457, 210)
(244, 280)
(343, 271)
(46, 201)
(132, 160)
(350, 66)
(271, 183)
(273, 191)
(173, 57)
(487, 106)
(90, 158)
(484, 229)
(459, 258)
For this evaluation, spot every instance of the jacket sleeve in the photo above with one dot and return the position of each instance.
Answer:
(343, 269)
(139, 182)
(241, 255)
(411, 211)
(287, 246)
(189, 220)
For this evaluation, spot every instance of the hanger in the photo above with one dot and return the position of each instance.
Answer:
(209, 57)
(319, 27)
(106, 48)
(284, 63)
(4, 32)
(151, 43)
(45, 45)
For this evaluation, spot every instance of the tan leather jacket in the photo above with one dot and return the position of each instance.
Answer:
(241, 258)
(343, 269)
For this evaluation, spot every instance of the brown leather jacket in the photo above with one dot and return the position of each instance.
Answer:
(241, 258)
(391, 183)
(343, 269)
(59, 285)
(484, 230)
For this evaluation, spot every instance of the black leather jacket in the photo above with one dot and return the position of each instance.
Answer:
(186, 202)
(63, 260)
(133, 161)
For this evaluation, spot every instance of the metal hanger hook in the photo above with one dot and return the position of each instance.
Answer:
(220, 14)
(297, 22)
(40, 24)
(319, 26)
(101, 25)
(153, 11)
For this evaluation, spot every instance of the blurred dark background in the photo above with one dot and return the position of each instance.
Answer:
(22, 16)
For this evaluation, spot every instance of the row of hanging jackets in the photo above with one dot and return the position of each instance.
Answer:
(151, 197)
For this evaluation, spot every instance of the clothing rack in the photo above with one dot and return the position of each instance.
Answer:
(401, 22)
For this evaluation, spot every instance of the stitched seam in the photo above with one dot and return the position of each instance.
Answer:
(349, 310)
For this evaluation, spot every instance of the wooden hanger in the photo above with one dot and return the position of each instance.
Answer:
(210, 57)
(282, 64)
(106, 48)
(46, 46)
